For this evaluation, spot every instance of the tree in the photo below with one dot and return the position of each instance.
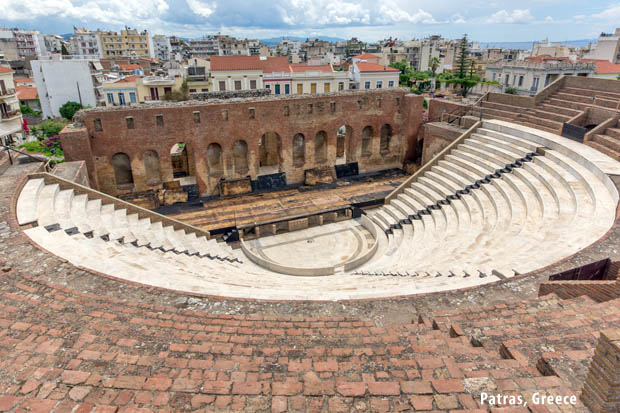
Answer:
(435, 62)
(465, 75)
(68, 109)
(405, 72)
(178, 95)
(463, 58)
(64, 50)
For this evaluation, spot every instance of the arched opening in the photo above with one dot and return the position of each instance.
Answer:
(269, 153)
(344, 138)
(152, 171)
(299, 150)
(214, 159)
(367, 141)
(180, 162)
(320, 147)
(386, 137)
(240, 157)
(122, 170)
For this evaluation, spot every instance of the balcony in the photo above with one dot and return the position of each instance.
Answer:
(157, 81)
(7, 92)
(10, 115)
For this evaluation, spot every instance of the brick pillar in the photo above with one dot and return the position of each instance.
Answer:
(601, 390)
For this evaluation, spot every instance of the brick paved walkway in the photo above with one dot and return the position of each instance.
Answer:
(72, 341)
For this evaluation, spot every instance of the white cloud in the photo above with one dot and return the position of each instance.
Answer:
(516, 16)
(200, 8)
(458, 19)
(611, 13)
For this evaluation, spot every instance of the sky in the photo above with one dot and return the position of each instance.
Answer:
(368, 20)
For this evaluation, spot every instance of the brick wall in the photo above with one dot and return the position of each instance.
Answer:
(597, 290)
(601, 390)
(225, 122)
(436, 137)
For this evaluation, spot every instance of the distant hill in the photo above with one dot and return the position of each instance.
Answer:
(272, 41)
(528, 45)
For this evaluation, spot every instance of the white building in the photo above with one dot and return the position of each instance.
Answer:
(531, 76)
(606, 48)
(10, 115)
(85, 43)
(61, 79)
(160, 47)
(49, 43)
(26, 41)
(367, 75)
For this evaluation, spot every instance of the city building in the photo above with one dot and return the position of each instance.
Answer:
(545, 47)
(10, 115)
(179, 50)
(604, 69)
(373, 76)
(139, 89)
(243, 72)
(129, 43)
(607, 48)
(19, 44)
(61, 79)
(531, 75)
(85, 43)
(8, 46)
(161, 48)
(28, 96)
(49, 43)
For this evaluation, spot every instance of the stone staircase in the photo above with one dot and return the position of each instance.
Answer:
(607, 142)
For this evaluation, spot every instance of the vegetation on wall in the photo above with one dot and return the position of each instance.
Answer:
(178, 95)
(69, 109)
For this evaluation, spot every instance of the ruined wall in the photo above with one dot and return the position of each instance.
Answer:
(436, 137)
(134, 131)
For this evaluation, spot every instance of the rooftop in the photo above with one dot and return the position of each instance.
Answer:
(603, 66)
(372, 67)
(27, 93)
(4, 69)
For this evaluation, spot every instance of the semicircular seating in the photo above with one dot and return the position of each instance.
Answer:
(506, 200)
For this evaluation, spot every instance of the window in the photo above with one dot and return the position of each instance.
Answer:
(300, 88)
(129, 121)
(332, 107)
(287, 89)
(132, 97)
(110, 98)
(277, 89)
(309, 107)
(286, 110)
(521, 81)
(97, 125)
(192, 91)
(167, 90)
(237, 85)
(494, 76)
(252, 113)
(252, 84)
(341, 86)
(535, 84)
(222, 85)
(379, 84)
(326, 87)
(196, 117)
(121, 98)
(313, 88)
(391, 83)
(225, 114)
(367, 85)
(160, 120)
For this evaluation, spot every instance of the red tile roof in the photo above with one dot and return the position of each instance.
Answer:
(132, 66)
(5, 70)
(268, 65)
(302, 67)
(366, 56)
(128, 79)
(23, 80)
(273, 64)
(371, 67)
(27, 93)
(603, 66)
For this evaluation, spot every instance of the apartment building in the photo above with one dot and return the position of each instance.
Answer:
(129, 42)
(161, 48)
(61, 79)
(10, 116)
(85, 43)
(607, 48)
(373, 76)
(49, 43)
(139, 89)
(19, 44)
(531, 75)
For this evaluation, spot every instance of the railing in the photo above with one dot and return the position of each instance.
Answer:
(9, 115)
(8, 150)
(7, 92)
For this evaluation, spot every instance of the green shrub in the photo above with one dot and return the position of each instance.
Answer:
(68, 109)
(510, 91)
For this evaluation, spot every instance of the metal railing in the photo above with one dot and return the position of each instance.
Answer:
(7, 92)
(10, 115)
(8, 150)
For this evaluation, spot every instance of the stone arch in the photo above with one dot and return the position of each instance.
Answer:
(240, 156)
(180, 160)
(269, 148)
(344, 142)
(367, 141)
(320, 147)
(299, 150)
(122, 169)
(386, 137)
(214, 158)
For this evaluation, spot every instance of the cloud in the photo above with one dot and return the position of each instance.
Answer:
(457, 19)
(200, 8)
(612, 13)
(518, 16)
